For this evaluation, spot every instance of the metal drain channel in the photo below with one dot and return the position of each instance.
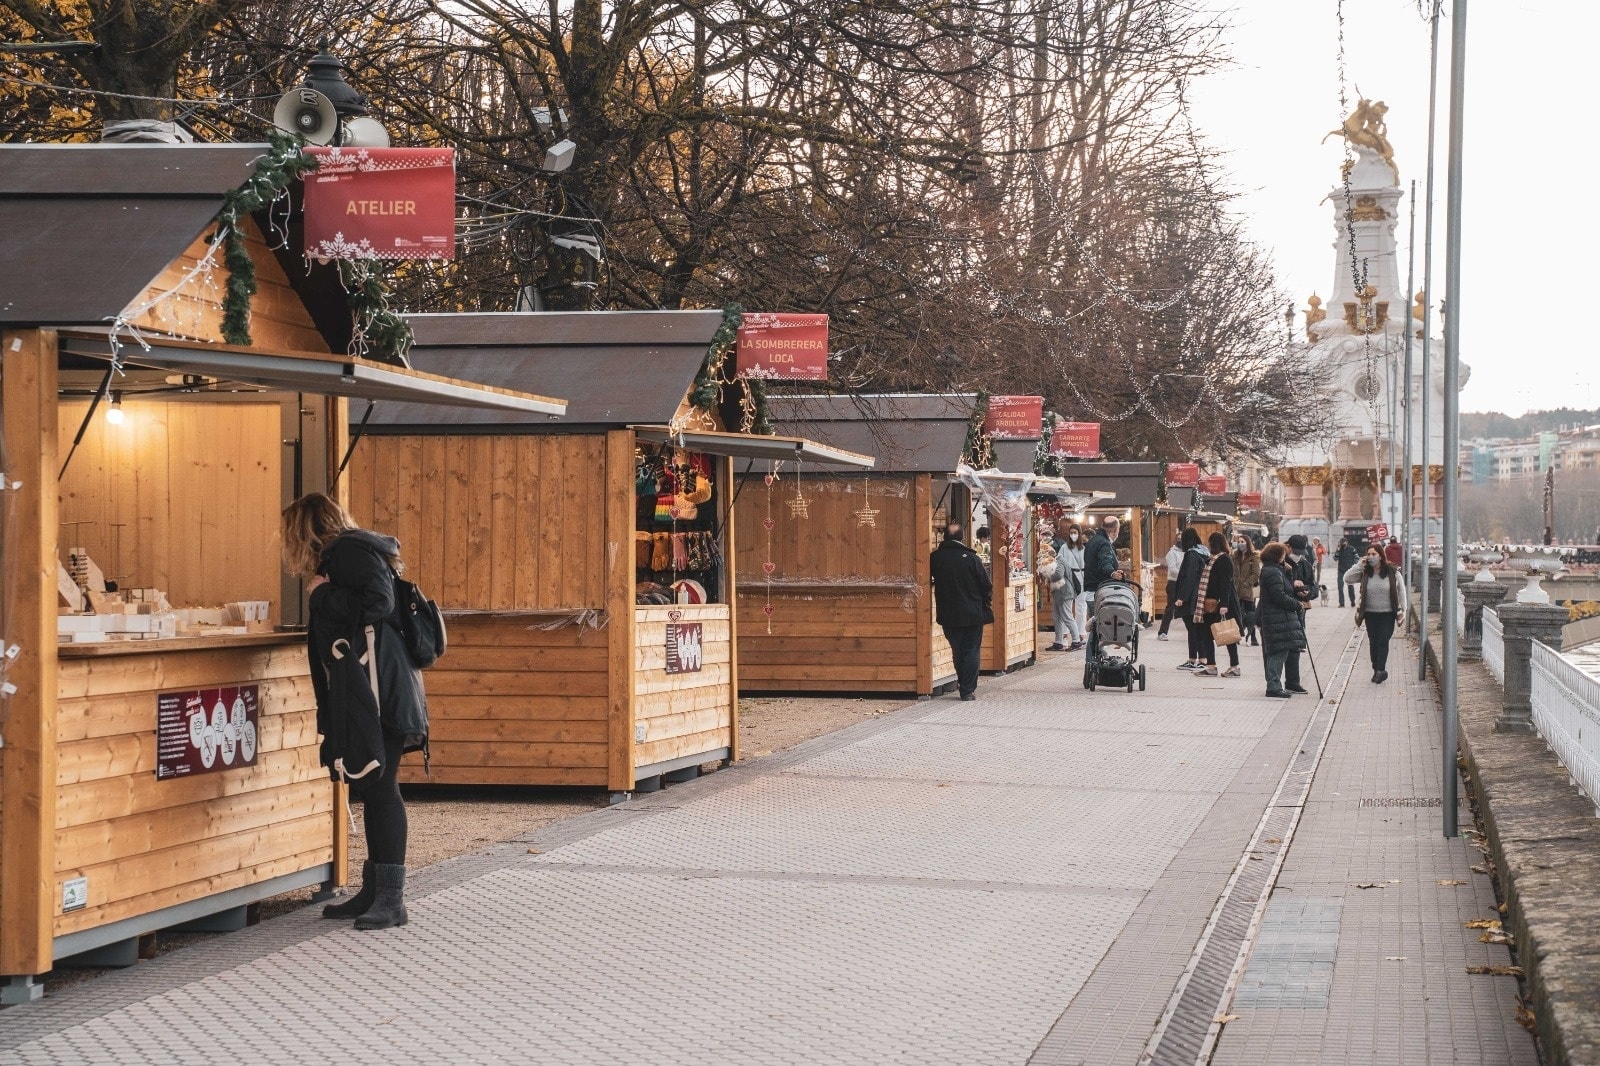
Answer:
(1188, 1030)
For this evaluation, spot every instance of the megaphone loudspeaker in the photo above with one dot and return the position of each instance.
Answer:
(308, 113)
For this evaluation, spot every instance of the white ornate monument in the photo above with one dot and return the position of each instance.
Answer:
(1356, 341)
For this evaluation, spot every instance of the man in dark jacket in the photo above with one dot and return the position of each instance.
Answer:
(1303, 569)
(962, 595)
(1344, 559)
(1100, 555)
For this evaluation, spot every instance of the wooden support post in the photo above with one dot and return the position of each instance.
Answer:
(617, 484)
(922, 539)
(336, 410)
(729, 583)
(28, 780)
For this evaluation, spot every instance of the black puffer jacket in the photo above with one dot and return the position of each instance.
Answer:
(1099, 560)
(1194, 564)
(961, 586)
(360, 592)
(1278, 616)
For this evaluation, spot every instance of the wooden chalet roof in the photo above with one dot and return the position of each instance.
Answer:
(906, 433)
(1135, 484)
(614, 368)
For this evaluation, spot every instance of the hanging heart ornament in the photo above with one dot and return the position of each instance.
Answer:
(767, 610)
(767, 524)
(769, 567)
(771, 478)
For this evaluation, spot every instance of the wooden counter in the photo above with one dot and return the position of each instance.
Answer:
(174, 644)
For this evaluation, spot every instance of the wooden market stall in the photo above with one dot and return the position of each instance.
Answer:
(851, 605)
(567, 542)
(1013, 641)
(1130, 494)
(159, 766)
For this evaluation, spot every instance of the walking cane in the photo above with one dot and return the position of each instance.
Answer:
(1309, 657)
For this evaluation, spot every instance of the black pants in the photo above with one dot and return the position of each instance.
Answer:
(1166, 615)
(1247, 621)
(383, 811)
(1283, 668)
(1208, 643)
(1352, 588)
(1193, 630)
(1380, 628)
(967, 643)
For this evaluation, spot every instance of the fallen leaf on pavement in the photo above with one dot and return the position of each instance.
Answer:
(1394, 958)
(1496, 971)
(1495, 936)
(1482, 923)
(534, 851)
(1450, 882)
(1525, 1016)
(1479, 870)
(1224, 1019)
(1274, 840)
(1369, 884)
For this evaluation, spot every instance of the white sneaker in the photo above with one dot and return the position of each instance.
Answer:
(1161, 636)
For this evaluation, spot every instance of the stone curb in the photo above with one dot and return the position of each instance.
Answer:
(1544, 840)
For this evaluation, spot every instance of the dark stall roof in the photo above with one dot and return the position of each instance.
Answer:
(85, 227)
(906, 433)
(1016, 456)
(1222, 503)
(1135, 484)
(1181, 498)
(614, 368)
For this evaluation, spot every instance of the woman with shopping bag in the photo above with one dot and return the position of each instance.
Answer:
(1216, 610)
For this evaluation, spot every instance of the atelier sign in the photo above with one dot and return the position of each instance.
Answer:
(381, 203)
(203, 731)
(1014, 417)
(791, 347)
(683, 647)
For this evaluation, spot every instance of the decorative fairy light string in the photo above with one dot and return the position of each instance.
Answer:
(767, 523)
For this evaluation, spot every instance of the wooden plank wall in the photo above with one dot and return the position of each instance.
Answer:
(196, 488)
(678, 715)
(146, 844)
(1021, 632)
(491, 523)
(278, 320)
(944, 659)
(510, 704)
(835, 636)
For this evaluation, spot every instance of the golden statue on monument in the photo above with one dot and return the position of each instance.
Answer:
(1366, 128)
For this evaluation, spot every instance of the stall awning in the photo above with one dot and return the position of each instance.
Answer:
(313, 372)
(748, 446)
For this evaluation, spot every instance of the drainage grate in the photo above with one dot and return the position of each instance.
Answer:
(1403, 801)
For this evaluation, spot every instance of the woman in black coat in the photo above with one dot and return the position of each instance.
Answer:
(1278, 615)
(1219, 587)
(370, 704)
(1194, 564)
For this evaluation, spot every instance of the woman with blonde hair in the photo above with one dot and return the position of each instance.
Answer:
(371, 709)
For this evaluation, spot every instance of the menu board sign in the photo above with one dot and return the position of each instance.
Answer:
(1249, 501)
(1014, 417)
(683, 647)
(1213, 484)
(202, 731)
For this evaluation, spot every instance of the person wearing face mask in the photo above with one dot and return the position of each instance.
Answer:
(1173, 563)
(1057, 570)
(1078, 606)
(1381, 606)
(1195, 557)
(1246, 576)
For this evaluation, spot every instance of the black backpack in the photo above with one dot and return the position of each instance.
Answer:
(420, 623)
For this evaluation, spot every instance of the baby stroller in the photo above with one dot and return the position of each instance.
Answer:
(1114, 638)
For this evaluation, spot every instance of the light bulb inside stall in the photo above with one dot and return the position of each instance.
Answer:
(114, 412)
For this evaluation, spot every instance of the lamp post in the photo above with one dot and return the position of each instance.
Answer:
(1452, 406)
(1427, 336)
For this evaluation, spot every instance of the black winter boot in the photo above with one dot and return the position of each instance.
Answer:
(389, 908)
(357, 904)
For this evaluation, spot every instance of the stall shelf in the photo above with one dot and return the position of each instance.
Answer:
(852, 610)
(525, 530)
(111, 827)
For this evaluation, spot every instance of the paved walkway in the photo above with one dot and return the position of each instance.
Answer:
(1044, 875)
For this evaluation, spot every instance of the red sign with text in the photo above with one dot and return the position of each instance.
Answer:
(792, 347)
(381, 203)
(1249, 501)
(1183, 475)
(1014, 417)
(1213, 484)
(1076, 440)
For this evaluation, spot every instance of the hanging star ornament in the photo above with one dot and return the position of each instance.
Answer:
(866, 515)
(799, 506)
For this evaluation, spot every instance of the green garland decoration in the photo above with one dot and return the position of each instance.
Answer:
(714, 373)
(1045, 464)
(978, 450)
(284, 161)
(378, 330)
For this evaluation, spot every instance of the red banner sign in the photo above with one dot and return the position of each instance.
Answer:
(1213, 484)
(684, 647)
(1377, 533)
(381, 203)
(1014, 417)
(1076, 440)
(1249, 501)
(793, 347)
(1183, 475)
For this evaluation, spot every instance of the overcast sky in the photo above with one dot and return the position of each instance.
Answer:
(1530, 239)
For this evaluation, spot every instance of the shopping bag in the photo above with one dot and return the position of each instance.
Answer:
(1225, 632)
